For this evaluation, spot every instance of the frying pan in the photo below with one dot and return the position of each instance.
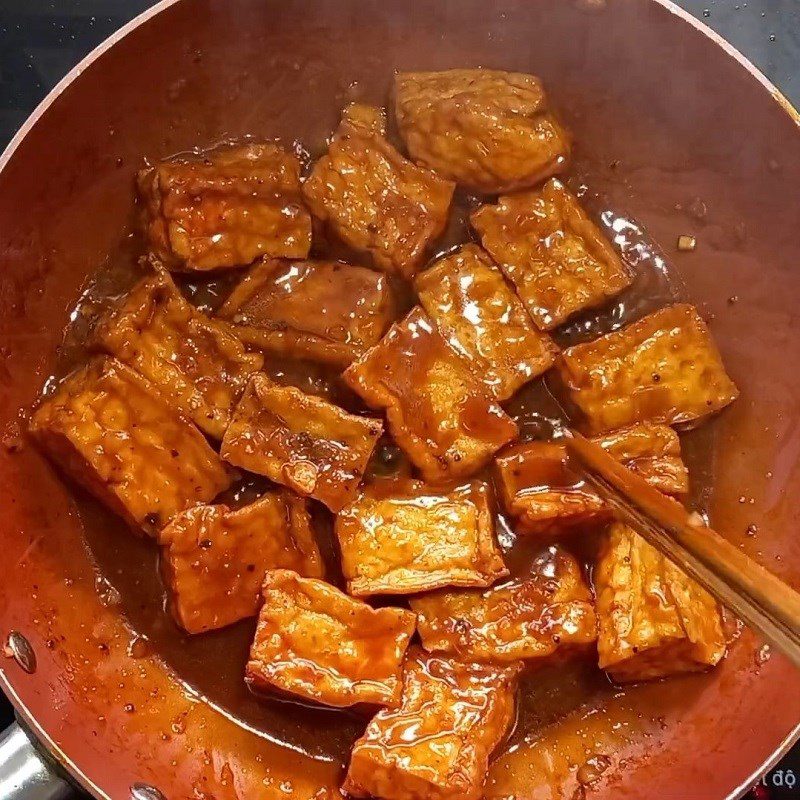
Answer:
(671, 125)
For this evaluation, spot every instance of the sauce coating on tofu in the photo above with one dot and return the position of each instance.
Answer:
(481, 318)
(226, 208)
(374, 199)
(556, 257)
(404, 537)
(214, 559)
(109, 429)
(436, 745)
(195, 362)
(489, 130)
(436, 409)
(301, 441)
(318, 644)
(324, 311)
(663, 368)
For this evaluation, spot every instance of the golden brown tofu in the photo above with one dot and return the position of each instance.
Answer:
(653, 621)
(319, 310)
(527, 618)
(437, 411)
(375, 200)
(556, 257)
(663, 368)
(402, 537)
(437, 745)
(302, 441)
(482, 319)
(489, 130)
(214, 559)
(226, 208)
(196, 363)
(110, 430)
(315, 642)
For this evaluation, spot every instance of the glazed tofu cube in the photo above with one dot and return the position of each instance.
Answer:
(111, 431)
(301, 441)
(556, 257)
(316, 643)
(319, 310)
(437, 411)
(196, 363)
(375, 200)
(653, 621)
(402, 537)
(437, 744)
(226, 208)
(663, 368)
(481, 318)
(527, 618)
(488, 130)
(214, 559)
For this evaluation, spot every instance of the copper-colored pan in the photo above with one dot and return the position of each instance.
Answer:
(672, 125)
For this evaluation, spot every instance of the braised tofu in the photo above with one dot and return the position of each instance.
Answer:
(319, 310)
(526, 618)
(437, 411)
(374, 199)
(653, 621)
(301, 441)
(556, 257)
(663, 368)
(226, 208)
(402, 537)
(316, 643)
(481, 318)
(111, 431)
(214, 559)
(491, 131)
(196, 363)
(437, 744)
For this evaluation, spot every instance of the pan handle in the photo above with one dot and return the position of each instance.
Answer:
(26, 773)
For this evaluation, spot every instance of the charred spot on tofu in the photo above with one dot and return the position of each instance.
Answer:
(481, 318)
(489, 130)
(214, 559)
(556, 257)
(436, 409)
(402, 537)
(664, 368)
(196, 363)
(318, 644)
(109, 429)
(301, 441)
(225, 208)
(374, 199)
(437, 744)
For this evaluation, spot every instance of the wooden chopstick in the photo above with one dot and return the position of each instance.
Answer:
(760, 599)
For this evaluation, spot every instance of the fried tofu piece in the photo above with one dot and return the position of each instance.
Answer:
(196, 363)
(437, 411)
(301, 441)
(226, 208)
(324, 311)
(111, 431)
(526, 618)
(214, 559)
(437, 744)
(556, 257)
(316, 643)
(402, 537)
(374, 199)
(488, 130)
(653, 621)
(481, 318)
(663, 368)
